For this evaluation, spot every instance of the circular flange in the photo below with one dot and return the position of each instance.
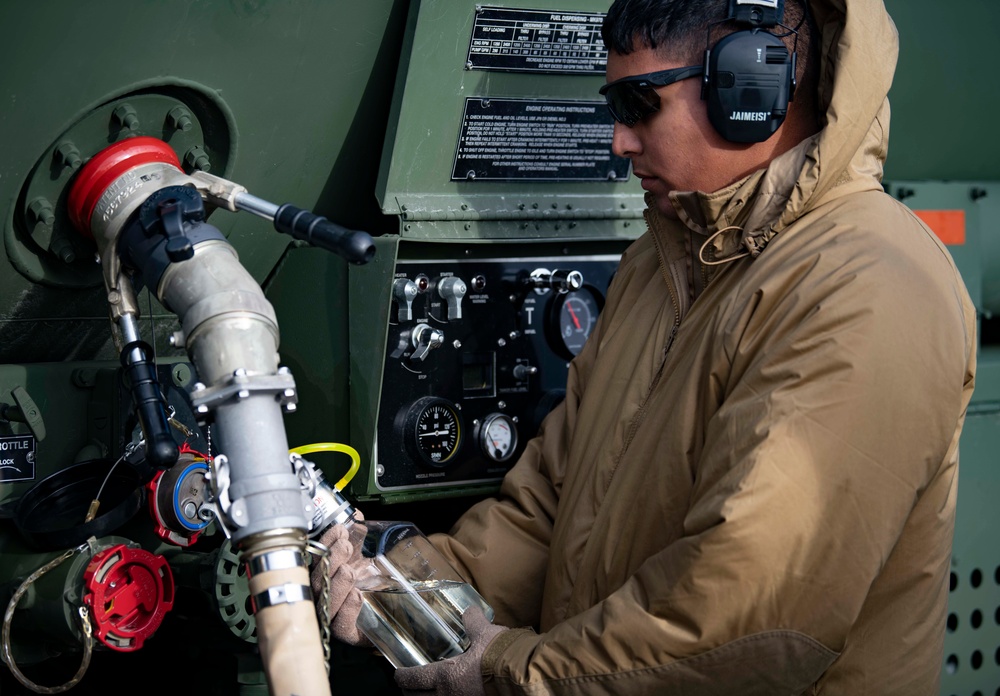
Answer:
(42, 242)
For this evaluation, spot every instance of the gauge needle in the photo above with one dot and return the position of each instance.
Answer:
(433, 432)
(573, 314)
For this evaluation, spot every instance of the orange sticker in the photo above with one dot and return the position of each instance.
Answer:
(948, 225)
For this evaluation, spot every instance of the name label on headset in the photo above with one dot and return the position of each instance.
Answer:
(749, 116)
(763, 3)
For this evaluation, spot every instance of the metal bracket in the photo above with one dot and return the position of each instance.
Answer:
(241, 386)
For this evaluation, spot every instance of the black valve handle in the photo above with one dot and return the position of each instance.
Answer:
(161, 450)
(355, 246)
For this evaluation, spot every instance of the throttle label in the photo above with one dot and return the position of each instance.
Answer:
(17, 458)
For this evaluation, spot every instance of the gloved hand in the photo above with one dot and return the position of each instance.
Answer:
(345, 564)
(457, 676)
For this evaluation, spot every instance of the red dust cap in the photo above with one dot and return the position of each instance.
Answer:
(128, 591)
(106, 167)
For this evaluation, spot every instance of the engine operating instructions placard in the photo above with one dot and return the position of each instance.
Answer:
(536, 139)
(537, 41)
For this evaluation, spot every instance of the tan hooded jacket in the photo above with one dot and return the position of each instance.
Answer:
(750, 487)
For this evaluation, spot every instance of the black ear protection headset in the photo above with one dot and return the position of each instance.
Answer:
(749, 76)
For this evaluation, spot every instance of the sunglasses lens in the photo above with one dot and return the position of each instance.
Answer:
(629, 102)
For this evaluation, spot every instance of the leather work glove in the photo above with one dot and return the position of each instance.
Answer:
(345, 599)
(456, 676)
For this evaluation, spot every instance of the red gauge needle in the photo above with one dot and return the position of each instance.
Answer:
(573, 314)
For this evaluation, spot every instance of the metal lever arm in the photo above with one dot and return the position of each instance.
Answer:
(161, 450)
(355, 246)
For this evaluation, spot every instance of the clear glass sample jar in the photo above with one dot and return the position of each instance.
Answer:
(413, 599)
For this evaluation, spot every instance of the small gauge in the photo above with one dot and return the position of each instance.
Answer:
(434, 430)
(571, 319)
(498, 437)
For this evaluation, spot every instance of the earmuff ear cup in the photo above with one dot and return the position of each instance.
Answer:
(748, 85)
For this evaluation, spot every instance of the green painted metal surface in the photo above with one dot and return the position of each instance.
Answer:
(304, 87)
(944, 97)
(415, 180)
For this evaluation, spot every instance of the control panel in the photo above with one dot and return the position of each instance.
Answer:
(477, 354)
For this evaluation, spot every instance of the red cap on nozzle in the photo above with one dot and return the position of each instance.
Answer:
(106, 167)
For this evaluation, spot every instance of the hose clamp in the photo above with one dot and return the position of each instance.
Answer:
(280, 559)
(288, 593)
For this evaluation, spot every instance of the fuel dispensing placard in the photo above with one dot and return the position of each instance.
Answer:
(536, 139)
(537, 41)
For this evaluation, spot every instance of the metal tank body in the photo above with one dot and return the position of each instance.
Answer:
(354, 110)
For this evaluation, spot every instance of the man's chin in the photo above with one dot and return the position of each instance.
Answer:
(663, 204)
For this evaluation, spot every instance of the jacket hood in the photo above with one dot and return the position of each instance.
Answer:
(859, 48)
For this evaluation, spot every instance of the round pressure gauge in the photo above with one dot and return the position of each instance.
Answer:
(498, 437)
(433, 430)
(570, 321)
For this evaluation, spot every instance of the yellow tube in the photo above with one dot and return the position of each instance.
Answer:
(334, 447)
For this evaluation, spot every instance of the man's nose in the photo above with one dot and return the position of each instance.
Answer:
(624, 142)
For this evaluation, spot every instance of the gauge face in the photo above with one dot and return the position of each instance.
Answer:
(437, 431)
(498, 437)
(572, 322)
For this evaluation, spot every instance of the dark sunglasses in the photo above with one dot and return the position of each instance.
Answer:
(633, 98)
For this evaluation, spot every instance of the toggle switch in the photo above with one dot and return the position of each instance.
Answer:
(405, 291)
(523, 371)
(452, 290)
(562, 281)
(425, 339)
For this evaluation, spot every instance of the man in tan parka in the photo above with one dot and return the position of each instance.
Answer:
(750, 487)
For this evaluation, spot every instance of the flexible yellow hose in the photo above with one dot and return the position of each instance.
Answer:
(334, 447)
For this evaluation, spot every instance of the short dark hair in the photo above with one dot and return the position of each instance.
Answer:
(678, 29)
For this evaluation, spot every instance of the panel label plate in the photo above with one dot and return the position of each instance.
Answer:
(536, 139)
(17, 458)
(539, 41)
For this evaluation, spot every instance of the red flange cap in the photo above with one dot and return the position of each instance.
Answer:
(105, 167)
(128, 591)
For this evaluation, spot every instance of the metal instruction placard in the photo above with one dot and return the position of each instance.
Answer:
(540, 41)
(17, 458)
(536, 139)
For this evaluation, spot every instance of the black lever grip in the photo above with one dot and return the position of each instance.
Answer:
(161, 450)
(355, 246)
